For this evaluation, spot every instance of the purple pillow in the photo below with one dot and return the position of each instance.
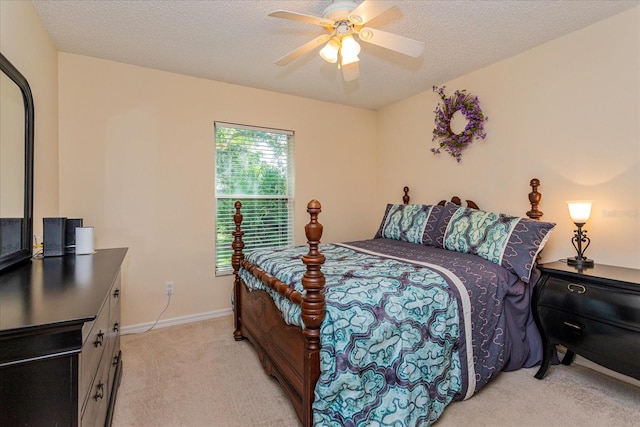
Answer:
(437, 225)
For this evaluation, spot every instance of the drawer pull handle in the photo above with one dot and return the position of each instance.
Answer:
(99, 339)
(99, 392)
(115, 361)
(116, 327)
(573, 325)
(116, 293)
(573, 287)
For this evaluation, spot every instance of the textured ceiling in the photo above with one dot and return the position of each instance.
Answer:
(236, 42)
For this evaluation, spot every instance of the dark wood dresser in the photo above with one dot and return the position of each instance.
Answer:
(60, 359)
(593, 312)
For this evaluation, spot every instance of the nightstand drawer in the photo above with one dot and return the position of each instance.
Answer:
(588, 300)
(601, 342)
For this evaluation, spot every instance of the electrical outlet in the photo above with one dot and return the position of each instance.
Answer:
(169, 288)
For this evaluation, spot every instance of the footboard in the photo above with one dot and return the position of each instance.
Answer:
(287, 352)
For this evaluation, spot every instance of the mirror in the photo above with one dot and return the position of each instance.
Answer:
(16, 166)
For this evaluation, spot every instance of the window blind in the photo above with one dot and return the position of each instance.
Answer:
(255, 166)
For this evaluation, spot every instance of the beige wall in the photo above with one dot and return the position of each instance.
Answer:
(25, 42)
(137, 162)
(566, 112)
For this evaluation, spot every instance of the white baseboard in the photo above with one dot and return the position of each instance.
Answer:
(601, 369)
(143, 327)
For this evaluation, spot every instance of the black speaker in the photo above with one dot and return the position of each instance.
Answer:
(11, 235)
(53, 236)
(70, 234)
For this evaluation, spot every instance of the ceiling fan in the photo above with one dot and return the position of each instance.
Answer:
(342, 20)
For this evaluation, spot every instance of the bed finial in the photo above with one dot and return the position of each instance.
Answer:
(312, 308)
(236, 258)
(238, 244)
(313, 280)
(534, 199)
(406, 196)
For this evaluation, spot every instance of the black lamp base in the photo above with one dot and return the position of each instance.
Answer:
(580, 263)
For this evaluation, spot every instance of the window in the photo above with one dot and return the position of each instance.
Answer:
(253, 165)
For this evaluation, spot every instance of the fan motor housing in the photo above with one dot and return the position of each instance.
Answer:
(339, 10)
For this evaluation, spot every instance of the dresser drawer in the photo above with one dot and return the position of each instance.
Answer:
(95, 409)
(114, 316)
(94, 345)
(601, 342)
(113, 346)
(616, 306)
(114, 303)
(113, 368)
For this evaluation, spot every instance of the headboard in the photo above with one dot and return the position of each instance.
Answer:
(534, 200)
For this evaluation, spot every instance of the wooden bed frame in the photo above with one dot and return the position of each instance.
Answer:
(289, 353)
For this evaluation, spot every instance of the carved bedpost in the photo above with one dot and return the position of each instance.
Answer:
(406, 196)
(534, 199)
(236, 258)
(313, 309)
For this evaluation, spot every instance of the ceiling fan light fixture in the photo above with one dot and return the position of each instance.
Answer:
(330, 51)
(350, 47)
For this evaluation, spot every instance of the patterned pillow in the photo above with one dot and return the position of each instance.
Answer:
(404, 222)
(437, 225)
(509, 241)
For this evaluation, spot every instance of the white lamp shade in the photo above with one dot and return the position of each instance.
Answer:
(580, 210)
(350, 50)
(330, 51)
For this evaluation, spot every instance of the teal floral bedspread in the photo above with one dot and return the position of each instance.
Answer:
(394, 338)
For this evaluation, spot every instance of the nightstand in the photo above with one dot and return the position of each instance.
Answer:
(593, 312)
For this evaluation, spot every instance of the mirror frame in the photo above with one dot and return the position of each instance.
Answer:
(25, 251)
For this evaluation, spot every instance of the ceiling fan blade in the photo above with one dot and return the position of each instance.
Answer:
(351, 71)
(367, 10)
(307, 47)
(404, 45)
(301, 17)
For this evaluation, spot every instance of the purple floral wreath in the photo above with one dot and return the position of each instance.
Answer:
(469, 106)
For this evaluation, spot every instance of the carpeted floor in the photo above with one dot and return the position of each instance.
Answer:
(196, 375)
